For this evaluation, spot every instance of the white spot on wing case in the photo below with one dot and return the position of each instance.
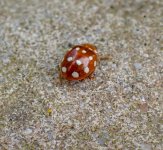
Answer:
(75, 75)
(84, 51)
(90, 58)
(69, 59)
(78, 62)
(94, 63)
(77, 48)
(64, 69)
(86, 69)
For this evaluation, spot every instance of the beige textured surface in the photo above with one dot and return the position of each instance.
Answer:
(120, 109)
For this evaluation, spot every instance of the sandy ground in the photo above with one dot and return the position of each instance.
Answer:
(122, 109)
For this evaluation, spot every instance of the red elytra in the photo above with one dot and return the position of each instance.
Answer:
(79, 62)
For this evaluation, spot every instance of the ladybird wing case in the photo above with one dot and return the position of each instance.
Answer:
(79, 63)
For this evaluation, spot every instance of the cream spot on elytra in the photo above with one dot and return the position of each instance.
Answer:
(69, 59)
(86, 69)
(75, 75)
(64, 69)
(84, 51)
(78, 62)
(90, 57)
(77, 48)
(94, 63)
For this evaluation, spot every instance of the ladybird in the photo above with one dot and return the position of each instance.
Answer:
(79, 62)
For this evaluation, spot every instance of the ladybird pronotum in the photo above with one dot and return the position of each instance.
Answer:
(79, 62)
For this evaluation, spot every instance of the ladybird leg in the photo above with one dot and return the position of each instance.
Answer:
(106, 57)
(101, 58)
(81, 80)
(92, 76)
(99, 62)
(60, 76)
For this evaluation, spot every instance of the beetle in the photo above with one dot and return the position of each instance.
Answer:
(79, 62)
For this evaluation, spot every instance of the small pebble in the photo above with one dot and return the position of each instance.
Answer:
(28, 131)
(5, 60)
(145, 146)
(138, 66)
(161, 64)
(2, 79)
(114, 66)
